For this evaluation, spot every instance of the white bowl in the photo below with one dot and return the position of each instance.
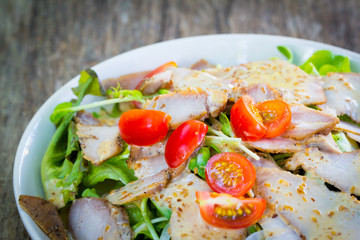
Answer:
(227, 49)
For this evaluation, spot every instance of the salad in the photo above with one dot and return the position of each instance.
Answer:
(253, 151)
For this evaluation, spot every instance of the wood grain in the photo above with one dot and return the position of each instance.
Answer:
(44, 43)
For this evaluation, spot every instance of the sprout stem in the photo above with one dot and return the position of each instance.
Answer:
(226, 140)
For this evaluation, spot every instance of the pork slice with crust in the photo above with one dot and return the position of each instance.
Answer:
(342, 93)
(147, 161)
(146, 167)
(188, 104)
(128, 81)
(330, 167)
(308, 206)
(276, 227)
(305, 122)
(182, 78)
(260, 92)
(295, 85)
(99, 143)
(144, 187)
(201, 65)
(288, 145)
(186, 222)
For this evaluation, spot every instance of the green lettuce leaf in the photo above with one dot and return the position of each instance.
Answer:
(88, 84)
(324, 61)
(63, 180)
(122, 96)
(73, 141)
(90, 192)
(61, 169)
(114, 168)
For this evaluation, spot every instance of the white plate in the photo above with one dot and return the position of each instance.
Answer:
(229, 49)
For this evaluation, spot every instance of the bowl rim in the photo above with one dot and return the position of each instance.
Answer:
(31, 226)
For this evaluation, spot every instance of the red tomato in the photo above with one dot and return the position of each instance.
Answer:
(225, 211)
(246, 120)
(183, 141)
(160, 69)
(276, 115)
(230, 173)
(143, 127)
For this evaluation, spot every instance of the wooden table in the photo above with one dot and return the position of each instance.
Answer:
(43, 44)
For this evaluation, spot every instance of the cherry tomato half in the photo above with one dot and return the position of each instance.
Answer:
(225, 211)
(246, 121)
(183, 141)
(230, 173)
(160, 69)
(143, 127)
(276, 115)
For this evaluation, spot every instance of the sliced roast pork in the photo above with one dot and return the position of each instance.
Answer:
(86, 118)
(308, 206)
(128, 81)
(349, 128)
(150, 160)
(295, 85)
(183, 78)
(339, 169)
(148, 166)
(201, 65)
(342, 93)
(144, 187)
(186, 222)
(259, 92)
(96, 218)
(188, 104)
(99, 143)
(147, 160)
(305, 122)
(288, 145)
(275, 227)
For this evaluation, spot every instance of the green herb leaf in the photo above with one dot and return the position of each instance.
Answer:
(226, 127)
(287, 53)
(90, 192)
(313, 107)
(253, 229)
(197, 164)
(348, 119)
(163, 91)
(345, 144)
(134, 213)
